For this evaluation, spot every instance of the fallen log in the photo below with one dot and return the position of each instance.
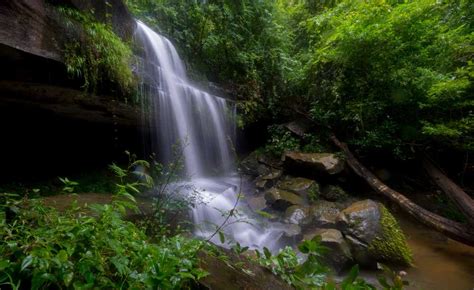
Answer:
(458, 196)
(454, 230)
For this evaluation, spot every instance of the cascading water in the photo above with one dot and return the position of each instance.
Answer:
(204, 125)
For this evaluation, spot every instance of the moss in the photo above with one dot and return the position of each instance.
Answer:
(314, 192)
(96, 54)
(334, 193)
(391, 245)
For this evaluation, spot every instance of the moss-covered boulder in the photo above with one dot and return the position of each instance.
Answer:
(281, 199)
(302, 186)
(374, 234)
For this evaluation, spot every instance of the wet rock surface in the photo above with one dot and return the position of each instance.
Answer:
(313, 164)
(339, 253)
(282, 199)
(361, 220)
(302, 186)
(325, 213)
(299, 215)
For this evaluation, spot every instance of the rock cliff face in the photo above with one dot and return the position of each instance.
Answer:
(34, 26)
(49, 125)
(33, 35)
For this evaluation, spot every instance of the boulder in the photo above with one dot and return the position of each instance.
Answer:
(324, 214)
(258, 163)
(361, 220)
(269, 179)
(339, 253)
(313, 164)
(374, 234)
(298, 127)
(251, 166)
(302, 186)
(257, 203)
(334, 193)
(292, 234)
(282, 199)
(299, 215)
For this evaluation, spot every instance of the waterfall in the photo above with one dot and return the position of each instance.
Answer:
(184, 113)
(204, 125)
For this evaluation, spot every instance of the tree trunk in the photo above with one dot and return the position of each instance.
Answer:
(460, 198)
(452, 229)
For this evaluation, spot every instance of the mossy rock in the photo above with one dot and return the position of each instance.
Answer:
(374, 234)
(390, 244)
(281, 199)
(302, 186)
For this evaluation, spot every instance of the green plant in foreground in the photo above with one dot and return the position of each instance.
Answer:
(41, 248)
(69, 186)
(285, 264)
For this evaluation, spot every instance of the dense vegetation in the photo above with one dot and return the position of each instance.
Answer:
(386, 75)
(84, 247)
(95, 54)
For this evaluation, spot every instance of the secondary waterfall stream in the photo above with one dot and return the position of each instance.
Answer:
(204, 126)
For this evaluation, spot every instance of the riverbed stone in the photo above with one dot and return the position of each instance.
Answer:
(299, 215)
(282, 199)
(268, 180)
(339, 253)
(361, 220)
(302, 186)
(257, 203)
(313, 163)
(324, 214)
(374, 234)
(251, 166)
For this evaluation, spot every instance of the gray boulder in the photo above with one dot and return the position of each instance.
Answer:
(299, 215)
(282, 199)
(302, 186)
(339, 253)
(311, 164)
(324, 214)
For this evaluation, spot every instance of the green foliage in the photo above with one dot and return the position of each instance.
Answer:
(285, 264)
(393, 74)
(69, 185)
(311, 274)
(95, 53)
(239, 44)
(41, 248)
(281, 140)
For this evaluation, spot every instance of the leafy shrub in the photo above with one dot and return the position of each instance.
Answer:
(41, 248)
(281, 140)
(393, 75)
(96, 54)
